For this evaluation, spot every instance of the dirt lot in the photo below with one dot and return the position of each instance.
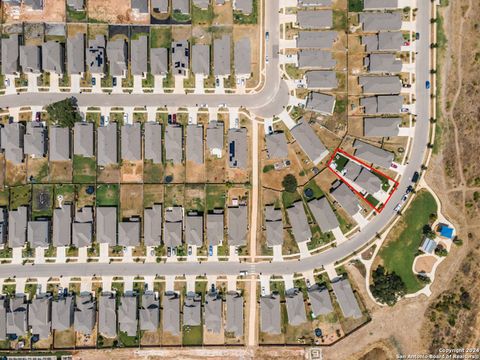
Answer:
(53, 11)
(152, 194)
(425, 264)
(109, 174)
(60, 171)
(195, 173)
(131, 200)
(15, 174)
(132, 171)
(114, 11)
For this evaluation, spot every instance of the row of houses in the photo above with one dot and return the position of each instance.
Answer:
(51, 57)
(128, 313)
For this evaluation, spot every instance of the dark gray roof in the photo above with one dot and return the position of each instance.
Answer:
(129, 233)
(315, 59)
(347, 199)
(53, 57)
(17, 227)
(299, 222)
(277, 147)
(192, 306)
(315, 19)
(3, 317)
(95, 55)
(106, 225)
(215, 229)
(295, 307)
(59, 143)
(273, 226)
(237, 225)
(386, 104)
(85, 313)
(378, 21)
(117, 57)
(309, 141)
(221, 55)
(140, 5)
(107, 144)
(380, 4)
(12, 140)
(323, 214)
(172, 231)
(351, 170)
(132, 142)
(369, 181)
(321, 79)
(383, 41)
(321, 103)
(346, 299)
(38, 233)
(159, 61)
(195, 148)
(215, 133)
(234, 323)
(384, 85)
(171, 313)
(243, 56)
(139, 54)
(76, 54)
(62, 219)
(83, 139)
(62, 313)
(17, 316)
(270, 316)
(84, 214)
(383, 63)
(10, 55)
(316, 39)
(373, 154)
(213, 312)
(107, 315)
(194, 229)
(376, 126)
(152, 225)
(34, 4)
(149, 313)
(238, 148)
(127, 314)
(39, 316)
(153, 142)
(182, 6)
(174, 143)
(201, 59)
(320, 301)
(82, 234)
(180, 57)
(245, 6)
(30, 58)
(35, 139)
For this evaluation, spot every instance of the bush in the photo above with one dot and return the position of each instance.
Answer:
(441, 251)
(387, 288)
(64, 113)
(289, 183)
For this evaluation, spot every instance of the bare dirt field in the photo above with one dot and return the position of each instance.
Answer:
(15, 174)
(152, 194)
(223, 14)
(132, 171)
(37, 168)
(176, 171)
(131, 200)
(425, 264)
(215, 168)
(108, 174)
(53, 11)
(60, 171)
(113, 11)
(195, 173)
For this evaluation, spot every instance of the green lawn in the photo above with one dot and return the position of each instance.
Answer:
(127, 341)
(215, 195)
(107, 195)
(160, 36)
(20, 196)
(76, 16)
(317, 192)
(289, 198)
(240, 18)
(355, 5)
(340, 20)
(67, 191)
(4, 197)
(192, 335)
(84, 169)
(202, 17)
(340, 161)
(268, 168)
(180, 17)
(398, 253)
(372, 200)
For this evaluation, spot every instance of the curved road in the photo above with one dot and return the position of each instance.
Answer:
(273, 92)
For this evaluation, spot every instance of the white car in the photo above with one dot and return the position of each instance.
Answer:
(125, 118)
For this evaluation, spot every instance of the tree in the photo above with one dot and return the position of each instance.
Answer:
(64, 113)
(387, 288)
(289, 183)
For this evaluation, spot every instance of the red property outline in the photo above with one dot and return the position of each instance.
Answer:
(351, 157)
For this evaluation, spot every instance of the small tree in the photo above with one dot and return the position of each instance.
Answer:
(289, 183)
(64, 113)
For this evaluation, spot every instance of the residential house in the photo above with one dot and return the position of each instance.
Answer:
(320, 302)
(40, 316)
(140, 6)
(171, 313)
(315, 59)
(273, 226)
(277, 147)
(149, 313)
(316, 39)
(195, 148)
(159, 61)
(83, 139)
(117, 57)
(234, 323)
(382, 63)
(243, 57)
(34, 140)
(383, 41)
(244, 6)
(386, 104)
(347, 199)
(213, 312)
(107, 315)
(10, 55)
(215, 226)
(346, 299)
(270, 316)
(17, 227)
(17, 311)
(59, 143)
(299, 222)
(12, 141)
(309, 141)
(129, 233)
(38, 233)
(307, 3)
(201, 59)
(428, 246)
(160, 6)
(82, 227)
(62, 228)
(380, 4)
(31, 59)
(139, 54)
(173, 228)
(53, 57)
(323, 214)
(215, 133)
(62, 312)
(373, 154)
(152, 225)
(132, 142)
(76, 53)
(381, 126)
(174, 143)
(34, 5)
(153, 142)
(315, 19)
(181, 6)
(192, 306)
(238, 148)
(107, 144)
(84, 313)
(295, 307)
(237, 225)
(180, 57)
(381, 21)
(194, 229)
(221, 56)
(127, 314)
(106, 225)
(384, 85)
(95, 55)
(321, 79)
(321, 103)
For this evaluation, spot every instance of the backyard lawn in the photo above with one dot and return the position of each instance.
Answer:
(107, 195)
(192, 335)
(84, 169)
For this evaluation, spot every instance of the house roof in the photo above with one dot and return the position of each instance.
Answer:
(315, 19)
(62, 313)
(221, 55)
(10, 55)
(237, 225)
(202, 4)
(323, 214)
(277, 147)
(128, 233)
(12, 140)
(140, 5)
(315, 59)
(316, 39)
(383, 63)
(321, 79)
(295, 307)
(117, 57)
(390, 40)
(35, 139)
(369, 181)
(107, 144)
(106, 225)
(153, 142)
(152, 225)
(82, 234)
(321, 103)
(384, 85)
(77, 5)
(386, 104)
(132, 142)
(346, 299)
(159, 61)
(39, 316)
(34, 4)
(194, 229)
(17, 227)
(95, 55)
(215, 133)
(347, 199)
(160, 5)
(270, 316)
(76, 54)
(17, 316)
(245, 6)
(234, 323)
(380, 21)
(201, 59)
(53, 57)
(373, 154)
(83, 139)
(59, 143)
(238, 148)
(351, 170)
(30, 58)
(84, 214)
(213, 312)
(273, 226)
(84, 313)
(192, 310)
(195, 148)
(3, 317)
(301, 3)
(215, 229)
(243, 56)
(172, 231)
(299, 222)
(380, 4)
(38, 233)
(309, 141)
(62, 219)
(384, 126)
(139, 54)
(320, 301)
(180, 57)
(149, 313)
(127, 314)
(107, 315)
(171, 313)
(174, 143)
(182, 6)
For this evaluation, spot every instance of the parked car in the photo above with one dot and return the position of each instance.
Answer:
(409, 189)
(38, 116)
(397, 208)
(210, 250)
(125, 118)
(94, 81)
(394, 166)
(427, 84)
(174, 118)
(174, 251)
(263, 291)
(417, 36)
(217, 82)
(169, 251)
(415, 176)
(169, 118)
(405, 110)
(6, 82)
(189, 252)
(406, 43)
(266, 59)
(267, 35)
(114, 81)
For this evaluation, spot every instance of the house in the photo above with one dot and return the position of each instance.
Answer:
(195, 148)
(299, 222)
(53, 57)
(306, 3)
(381, 21)
(95, 55)
(160, 6)
(215, 140)
(129, 233)
(62, 312)
(380, 4)
(323, 214)
(201, 59)
(180, 57)
(237, 225)
(35, 5)
(309, 141)
(316, 39)
(320, 302)
(10, 55)
(107, 148)
(351, 170)
(346, 299)
(213, 312)
(244, 6)
(221, 56)
(315, 19)
(194, 229)
(215, 228)
(201, 4)
(347, 199)
(38, 233)
(40, 316)
(174, 143)
(77, 5)
(149, 313)
(181, 6)
(242, 57)
(234, 323)
(373, 154)
(159, 61)
(117, 57)
(321, 103)
(384, 85)
(58, 143)
(3, 318)
(368, 181)
(83, 139)
(12, 141)
(277, 147)
(132, 142)
(140, 6)
(34, 140)
(17, 316)
(106, 225)
(383, 41)
(3, 226)
(84, 313)
(153, 142)
(238, 148)
(107, 315)
(171, 313)
(315, 59)
(62, 220)
(428, 246)
(295, 307)
(192, 306)
(321, 79)
(386, 104)
(31, 59)
(76, 53)
(139, 55)
(127, 314)
(382, 63)
(270, 316)
(17, 227)
(381, 126)
(173, 228)
(82, 227)
(273, 226)
(152, 225)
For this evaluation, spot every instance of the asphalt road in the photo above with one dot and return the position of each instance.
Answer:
(263, 101)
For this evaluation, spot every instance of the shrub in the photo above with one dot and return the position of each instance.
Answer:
(289, 183)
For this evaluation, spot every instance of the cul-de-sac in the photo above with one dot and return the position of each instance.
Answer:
(239, 179)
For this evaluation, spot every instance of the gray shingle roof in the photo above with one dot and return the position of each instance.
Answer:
(347, 199)
(107, 315)
(174, 143)
(352, 170)
(321, 79)
(17, 316)
(84, 214)
(3, 225)
(316, 39)
(117, 57)
(83, 139)
(369, 181)
(195, 148)
(82, 234)
(139, 55)
(30, 58)
(237, 225)
(215, 132)
(132, 142)
(192, 306)
(35, 139)
(386, 104)
(106, 225)
(321, 103)
(320, 301)
(53, 57)
(305, 3)
(295, 307)
(39, 316)
(62, 219)
(172, 231)
(140, 5)
(171, 313)
(270, 316)
(59, 143)
(62, 313)
(182, 6)
(245, 6)
(76, 54)
(238, 148)
(234, 323)
(95, 55)
(213, 312)
(346, 299)
(127, 314)
(159, 61)
(84, 313)
(315, 19)
(12, 140)
(152, 225)
(273, 226)
(323, 214)
(128, 233)
(315, 59)
(243, 56)
(10, 55)
(215, 229)
(202, 4)
(380, 4)
(378, 21)
(107, 144)
(299, 222)
(17, 227)
(160, 5)
(309, 141)
(383, 63)
(180, 57)
(277, 147)
(373, 154)
(194, 229)
(149, 313)
(38, 233)
(375, 126)
(383, 41)
(153, 142)
(34, 4)
(3, 317)
(201, 59)
(221, 55)
(77, 5)
(384, 85)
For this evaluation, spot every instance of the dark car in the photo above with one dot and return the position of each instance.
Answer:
(174, 118)
(415, 176)
(94, 81)
(169, 119)
(114, 81)
(417, 36)
(409, 189)
(38, 116)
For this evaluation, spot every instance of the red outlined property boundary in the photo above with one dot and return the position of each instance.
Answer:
(369, 167)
